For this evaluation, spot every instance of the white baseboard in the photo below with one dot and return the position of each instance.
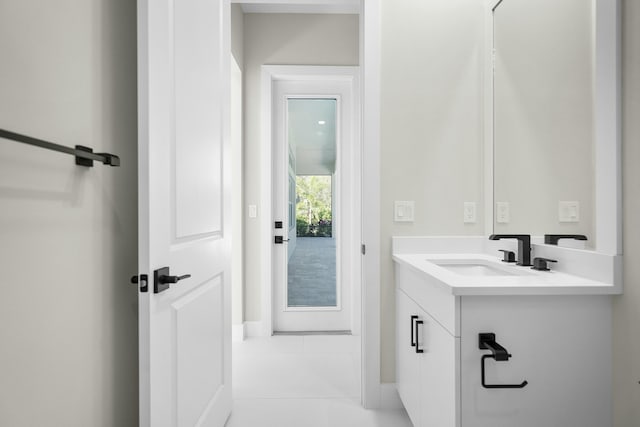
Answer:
(238, 332)
(389, 397)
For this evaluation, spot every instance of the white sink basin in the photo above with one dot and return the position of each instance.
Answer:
(476, 267)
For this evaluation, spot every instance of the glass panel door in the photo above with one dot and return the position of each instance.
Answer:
(312, 255)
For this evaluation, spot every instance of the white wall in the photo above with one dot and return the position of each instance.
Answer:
(626, 350)
(68, 235)
(431, 129)
(281, 39)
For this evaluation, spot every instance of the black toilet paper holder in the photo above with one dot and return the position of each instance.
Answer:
(487, 341)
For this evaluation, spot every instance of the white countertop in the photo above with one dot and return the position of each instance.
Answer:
(522, 281)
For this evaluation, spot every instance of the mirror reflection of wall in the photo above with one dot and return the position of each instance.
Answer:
(543, 117)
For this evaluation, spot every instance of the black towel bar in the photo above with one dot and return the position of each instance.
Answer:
(84, 155)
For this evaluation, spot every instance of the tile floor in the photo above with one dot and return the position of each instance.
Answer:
(302, 381)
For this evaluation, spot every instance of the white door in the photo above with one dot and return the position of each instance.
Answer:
(316, 138)
(184, 329)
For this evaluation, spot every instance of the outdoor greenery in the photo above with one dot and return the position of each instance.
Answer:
(313, 207)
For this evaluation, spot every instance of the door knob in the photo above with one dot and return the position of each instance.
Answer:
(162, 279)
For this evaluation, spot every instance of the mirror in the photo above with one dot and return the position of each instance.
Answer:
(550, 83)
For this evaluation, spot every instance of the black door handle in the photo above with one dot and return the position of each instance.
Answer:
(162, 279)
(278, 240)
(173, 279)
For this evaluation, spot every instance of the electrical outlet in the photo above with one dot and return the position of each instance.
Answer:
(469, 213)
(502, 213)
(569, 211)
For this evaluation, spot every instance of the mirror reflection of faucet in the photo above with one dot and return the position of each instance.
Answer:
(524, 247)
(552, 239)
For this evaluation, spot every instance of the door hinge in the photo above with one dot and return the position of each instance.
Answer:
(363, 249)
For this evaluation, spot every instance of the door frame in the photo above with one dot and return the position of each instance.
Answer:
(370, 60)
(340, 83)
(293, 73)
(370, 47)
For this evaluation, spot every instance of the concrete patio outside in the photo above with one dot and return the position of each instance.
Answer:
(312, 273)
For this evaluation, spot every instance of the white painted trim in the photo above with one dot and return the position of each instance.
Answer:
(608, 169)
(389, 397)
(608, 115)
(370, 80)
(266, 264)
(238, 332)
(341, 178)
(254, 328)
(299, 6)
(488, 127)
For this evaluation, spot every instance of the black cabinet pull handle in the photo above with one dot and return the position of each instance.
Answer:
(418, 349)
(413, 334)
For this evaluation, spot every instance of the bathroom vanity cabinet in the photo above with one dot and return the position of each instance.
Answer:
(560, 344)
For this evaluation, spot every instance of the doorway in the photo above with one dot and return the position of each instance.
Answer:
(264, 48)
(307, 367)
(315, 170)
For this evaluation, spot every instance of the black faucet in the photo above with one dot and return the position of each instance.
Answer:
(552, 239)
(524, 246)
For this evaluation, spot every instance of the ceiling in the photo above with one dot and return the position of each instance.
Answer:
(312, 135)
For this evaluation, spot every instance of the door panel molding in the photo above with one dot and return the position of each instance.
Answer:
(184, 331)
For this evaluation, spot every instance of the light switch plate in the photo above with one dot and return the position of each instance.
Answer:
(569, 211)
(403, 211)
(469, 216)
(502, 213)
(253, 211)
